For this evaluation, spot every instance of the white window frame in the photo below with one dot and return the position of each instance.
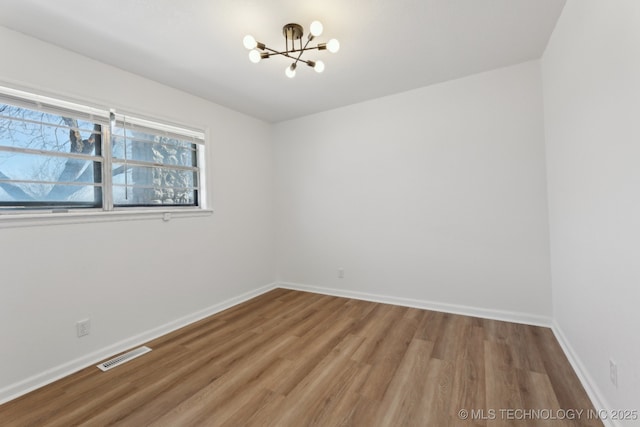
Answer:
(104, 116)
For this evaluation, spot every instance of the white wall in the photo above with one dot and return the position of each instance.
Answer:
(129, 277)
(433, 195)
(591, 74)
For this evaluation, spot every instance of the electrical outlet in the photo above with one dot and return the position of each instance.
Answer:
(83, 327)
(341, 273)
(613, 372)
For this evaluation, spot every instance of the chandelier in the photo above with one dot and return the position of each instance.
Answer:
(293, 33)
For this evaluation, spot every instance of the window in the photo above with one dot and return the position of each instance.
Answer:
(56, 155)
(152, 166)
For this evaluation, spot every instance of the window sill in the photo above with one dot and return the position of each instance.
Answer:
(11, 220)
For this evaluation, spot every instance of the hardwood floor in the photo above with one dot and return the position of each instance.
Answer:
(289, 358)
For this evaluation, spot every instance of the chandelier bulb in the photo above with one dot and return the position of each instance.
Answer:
(254, 56)
(249, 42)
(333, 45)
(319, 67)
(316, 28)
(290, 71)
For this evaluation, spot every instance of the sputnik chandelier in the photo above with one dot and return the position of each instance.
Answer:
(292, 33)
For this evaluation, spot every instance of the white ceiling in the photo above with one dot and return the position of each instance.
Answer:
(387, 46)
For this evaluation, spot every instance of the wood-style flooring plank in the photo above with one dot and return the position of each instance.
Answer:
(290, 358)
(402, 401)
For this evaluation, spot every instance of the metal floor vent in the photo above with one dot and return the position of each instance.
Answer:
(123, 358)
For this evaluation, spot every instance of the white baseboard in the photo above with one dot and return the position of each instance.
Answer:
(598, 401)
(507, 316)
(39, 380)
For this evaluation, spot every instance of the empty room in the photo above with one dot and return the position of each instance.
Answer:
(320, 213)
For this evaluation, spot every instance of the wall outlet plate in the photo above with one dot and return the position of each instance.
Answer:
(613, 372)
(83, 327)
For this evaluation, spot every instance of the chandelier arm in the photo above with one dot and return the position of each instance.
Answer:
(289, 52)
(302, 49)
(309, 63)
(274, 52)
(306, 61)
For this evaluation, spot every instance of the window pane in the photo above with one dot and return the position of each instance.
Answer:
(35, 167)
(37, 163)
(146, 186)
(153, 149)
(22, 128)
(54, 195)
(135, 196)
(153, 176)
(135, 184)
